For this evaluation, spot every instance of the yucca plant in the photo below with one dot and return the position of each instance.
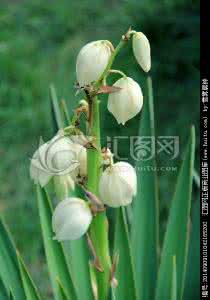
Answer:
(83, 261)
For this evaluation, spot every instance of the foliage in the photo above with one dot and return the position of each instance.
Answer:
(37, 46)
(167, 283)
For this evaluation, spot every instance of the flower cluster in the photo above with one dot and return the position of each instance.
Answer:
(65, 156)
(127, 100)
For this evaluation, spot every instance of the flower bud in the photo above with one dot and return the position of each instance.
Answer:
(127, 102)
(92, 61)
(141, 50)
(71, 219)
(118, 185)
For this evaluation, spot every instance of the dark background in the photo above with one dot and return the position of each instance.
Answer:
(39, 42)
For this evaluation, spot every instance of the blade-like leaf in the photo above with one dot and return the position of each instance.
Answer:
(192, 285)
(65, 112)
(9, 270)
(57, 264)
(31, 291)
(177, 233)
(79, 260)
(126, 288)
(113, 297)
(174, 280)
(57, 116)
(62, 293)
(145, 229)
(11, 297)
(79, 256)
(3, 291)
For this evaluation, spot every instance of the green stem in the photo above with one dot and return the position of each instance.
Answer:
(98, 229)
(117, 72)
(110, 63)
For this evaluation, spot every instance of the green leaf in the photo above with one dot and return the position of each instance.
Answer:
(177, 233)
(79, 260)
(65, 112)
(79, 255)
(124, 273)
(3, 291)
(174, 280)
(57, 116)
(31, 291)
(192, 285)
(196, 178)
(62, 293)
(11, 297)
(113, 297)
(145, 226)
(57, 264)
(9, 270)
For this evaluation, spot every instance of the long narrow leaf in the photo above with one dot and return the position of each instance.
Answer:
(9, 270)
(65, 111)
(174, 280)
(11, 297)
(31, 291)
(79, 256)
(126, 288)
(3, 291)
(54, 252)
(79, 260)
(177, 233)
(145, 229)
(62, 293)
(192, 286)
(57, 116)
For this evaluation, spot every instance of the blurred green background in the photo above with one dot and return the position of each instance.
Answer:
(39, 41)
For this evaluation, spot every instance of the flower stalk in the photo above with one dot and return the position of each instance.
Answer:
(73, 157)
(98, 230)
(99, 227)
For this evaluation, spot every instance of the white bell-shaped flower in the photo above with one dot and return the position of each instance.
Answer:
(71, 219)
(38, 170)
(142, 51)
(58, 157)
(61, 156)
(127, 102)
(118, 184)
(92, 61)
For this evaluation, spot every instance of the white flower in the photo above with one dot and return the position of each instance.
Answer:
(141, 50)
(118, 185)
(71, 219)
(58, 157)
(92, 61)
(127, 102)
